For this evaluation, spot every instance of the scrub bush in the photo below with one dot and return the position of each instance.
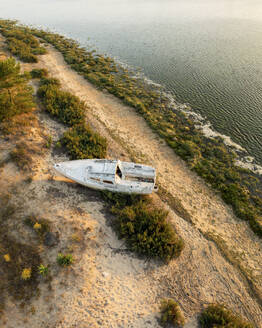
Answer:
(39, 73)
(65, 260)
(15, 93)
(217, 315)
(171, 314)
(68, 108)
(81, 142)
(147, 232)
(20, 42)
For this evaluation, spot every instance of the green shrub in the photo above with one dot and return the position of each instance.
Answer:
(217, 315)
(21, 50)
(144, 226)
(120, 200)
(81, 142)
(21, 42)
(50, 81)
(171, 314)
(61, 104)
(147, 231)
(49, 142)
(15, 93)
(39, 73)
(65, 260)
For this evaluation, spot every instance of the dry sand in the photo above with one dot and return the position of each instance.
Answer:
(107, 286)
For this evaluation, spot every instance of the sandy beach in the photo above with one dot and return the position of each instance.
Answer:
(108, 286)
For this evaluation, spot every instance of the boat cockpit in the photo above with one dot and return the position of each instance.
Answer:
(119, 172)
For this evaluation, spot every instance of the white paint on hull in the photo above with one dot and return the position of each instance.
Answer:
(112, 175)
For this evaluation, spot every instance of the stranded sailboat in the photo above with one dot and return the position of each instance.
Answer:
(112, 175)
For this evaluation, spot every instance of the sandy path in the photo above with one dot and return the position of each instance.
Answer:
(111, 289)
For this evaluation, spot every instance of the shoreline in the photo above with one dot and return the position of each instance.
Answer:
(210, 158)
(206, 209)
(244, 159)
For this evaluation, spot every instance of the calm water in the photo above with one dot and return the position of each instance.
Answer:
(208, 53)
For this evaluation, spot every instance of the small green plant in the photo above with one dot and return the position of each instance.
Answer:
(43, 270)
(39, 73)
(171, 313)
(217, 315)
(65, 260)
(49, 142)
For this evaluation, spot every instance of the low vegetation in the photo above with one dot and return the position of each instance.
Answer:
(18, 261)
(217, 315)
(171, 313)
(21, 155)
(144, 226)
(15, 93)
(61, 104)
(26, 273)
(39, 225)
(65, 260)
(20, 42)
(81, 142)
(43, 270)
(39, 73)
(147, 231)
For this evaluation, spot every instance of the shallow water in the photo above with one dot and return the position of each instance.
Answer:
(207, 53)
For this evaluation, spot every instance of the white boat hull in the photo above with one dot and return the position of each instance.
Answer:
(115, 176)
